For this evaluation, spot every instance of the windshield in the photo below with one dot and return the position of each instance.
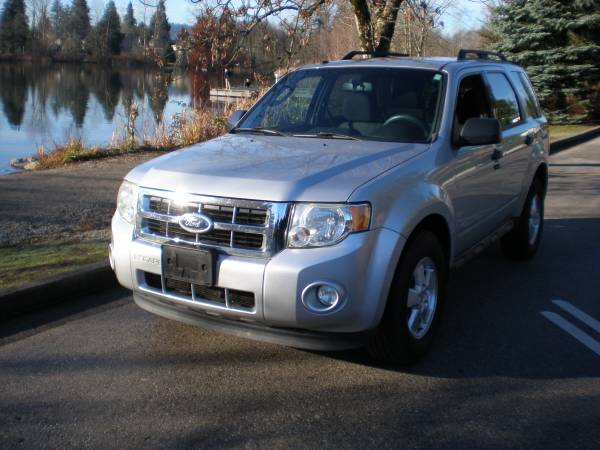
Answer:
(384, 104)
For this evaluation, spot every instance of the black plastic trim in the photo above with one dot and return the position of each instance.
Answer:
(353, 53)
(309, 340)
(481, 54)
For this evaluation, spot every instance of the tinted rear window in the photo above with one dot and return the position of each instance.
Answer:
(525, 90)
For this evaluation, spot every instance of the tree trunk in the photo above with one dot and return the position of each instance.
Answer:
(386, 25)
(362, 16)
(375, 23)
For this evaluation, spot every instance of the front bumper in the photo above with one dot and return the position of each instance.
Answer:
(310, 340)
(360, 264)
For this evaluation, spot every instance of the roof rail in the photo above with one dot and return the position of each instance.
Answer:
(354, 53)
(479, 54)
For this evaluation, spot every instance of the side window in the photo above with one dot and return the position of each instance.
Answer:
(526, 94)
(530, 94)
(505, 104)
(471, 102)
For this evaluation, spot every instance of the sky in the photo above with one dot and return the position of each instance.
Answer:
(178, 11)
(465, 14)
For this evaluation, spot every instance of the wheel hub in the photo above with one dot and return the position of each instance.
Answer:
(535, 219)
(422, 297)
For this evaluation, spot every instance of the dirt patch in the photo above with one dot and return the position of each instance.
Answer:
(75, 201)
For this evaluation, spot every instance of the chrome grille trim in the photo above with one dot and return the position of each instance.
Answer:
(197, 301)
(275, 214)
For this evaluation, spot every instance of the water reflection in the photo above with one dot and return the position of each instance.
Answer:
(13, 93)
(44, 105)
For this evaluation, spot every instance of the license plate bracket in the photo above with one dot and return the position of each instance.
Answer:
(189, 265)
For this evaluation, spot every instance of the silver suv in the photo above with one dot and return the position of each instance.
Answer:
(331, 213)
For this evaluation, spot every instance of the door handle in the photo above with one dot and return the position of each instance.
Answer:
(497, 155)
(529, 138)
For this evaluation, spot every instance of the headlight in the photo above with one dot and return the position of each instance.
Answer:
(127, 200)
(320, 225)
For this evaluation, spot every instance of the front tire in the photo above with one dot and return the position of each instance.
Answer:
(523, 241)
(414, 304)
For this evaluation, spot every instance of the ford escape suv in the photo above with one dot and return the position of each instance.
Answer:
(330, 214)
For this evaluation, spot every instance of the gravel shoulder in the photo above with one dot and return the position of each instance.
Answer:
(74, 202)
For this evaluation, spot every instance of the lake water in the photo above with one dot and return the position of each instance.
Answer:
(44, 105)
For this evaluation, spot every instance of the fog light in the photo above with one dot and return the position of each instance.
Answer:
(323, 296)
(328, 295)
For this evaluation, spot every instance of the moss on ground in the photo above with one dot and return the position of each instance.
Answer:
(27, 263)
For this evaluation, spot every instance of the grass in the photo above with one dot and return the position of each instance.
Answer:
(72, 151)
(563, 131)
(23, 264)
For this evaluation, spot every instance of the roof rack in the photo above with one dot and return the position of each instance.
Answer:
(353, 53)
(479, 54)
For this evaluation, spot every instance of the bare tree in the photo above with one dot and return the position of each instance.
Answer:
(418, 19)
(38, 11)
(375, 19)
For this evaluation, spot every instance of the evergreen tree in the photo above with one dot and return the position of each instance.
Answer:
(14, 28)
(130, 29)
(129, 22)
(558, 42)
(79, 20)
(108, 29)
(160, 27)
(57, 17)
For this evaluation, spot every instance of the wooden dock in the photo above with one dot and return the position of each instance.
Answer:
(231, 94)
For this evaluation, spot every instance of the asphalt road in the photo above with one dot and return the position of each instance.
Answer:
(511, 367)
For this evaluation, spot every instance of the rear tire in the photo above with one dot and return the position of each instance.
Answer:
(523, 241)
(414, 304)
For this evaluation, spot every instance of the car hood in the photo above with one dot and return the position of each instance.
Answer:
(273, 168)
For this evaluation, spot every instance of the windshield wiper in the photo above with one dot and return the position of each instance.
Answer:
(327, 135)
(269, 131)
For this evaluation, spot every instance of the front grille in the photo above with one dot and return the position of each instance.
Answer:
(229, 298)
(239, 226)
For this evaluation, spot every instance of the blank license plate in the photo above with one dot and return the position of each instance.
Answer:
(189, 265)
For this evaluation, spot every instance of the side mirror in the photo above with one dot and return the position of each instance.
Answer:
(478, 131)
(235, 117)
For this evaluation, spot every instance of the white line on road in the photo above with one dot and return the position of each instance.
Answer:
(578, 334)
(579, 314)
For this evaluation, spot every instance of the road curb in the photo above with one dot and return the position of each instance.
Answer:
(571, 141)
(88, 279)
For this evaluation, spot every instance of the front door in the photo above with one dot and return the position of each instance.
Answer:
(478, 196)
(516, 138)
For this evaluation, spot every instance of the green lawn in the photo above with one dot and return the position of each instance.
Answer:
(23, 264)
(563, 131)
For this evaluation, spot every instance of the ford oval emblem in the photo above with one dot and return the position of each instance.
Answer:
(195, 223)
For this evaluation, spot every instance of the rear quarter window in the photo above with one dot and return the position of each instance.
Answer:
(526, 92)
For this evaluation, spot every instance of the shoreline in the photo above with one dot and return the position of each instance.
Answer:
(192, 126)
(129, 61)
(74, 152)
(97, 153)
